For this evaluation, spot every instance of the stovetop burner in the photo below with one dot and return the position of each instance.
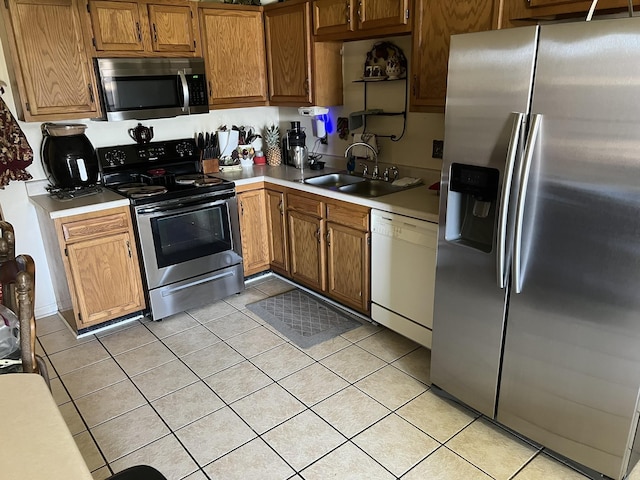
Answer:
(66, 194)
(198, 179)
(173, 167)
(146, 191)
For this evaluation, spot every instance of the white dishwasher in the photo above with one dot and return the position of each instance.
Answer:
(403, 272)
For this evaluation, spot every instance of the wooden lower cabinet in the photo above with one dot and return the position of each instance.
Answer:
(348, 265)
(329, 245)
(277, 231)
(101, 262)
(307, 249)
(253, 231)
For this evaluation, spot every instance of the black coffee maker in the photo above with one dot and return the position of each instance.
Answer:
(294, 147)
(68, 158)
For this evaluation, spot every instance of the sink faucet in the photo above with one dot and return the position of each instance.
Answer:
(376, 172)
(389, 170)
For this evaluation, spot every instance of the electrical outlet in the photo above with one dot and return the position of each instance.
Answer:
(438, 147)
(325, 140)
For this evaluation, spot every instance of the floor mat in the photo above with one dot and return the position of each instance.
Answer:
(303, 318)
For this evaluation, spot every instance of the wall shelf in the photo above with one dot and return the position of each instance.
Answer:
(359, 119)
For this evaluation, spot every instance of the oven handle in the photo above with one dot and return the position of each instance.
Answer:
(181, 207)
(175, 290)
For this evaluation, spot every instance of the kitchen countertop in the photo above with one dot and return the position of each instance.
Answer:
(91, 203)
(417, 202)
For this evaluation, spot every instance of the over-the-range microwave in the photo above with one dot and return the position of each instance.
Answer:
(144, 88)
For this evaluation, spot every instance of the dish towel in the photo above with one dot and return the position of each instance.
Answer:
(15, 153)
(364, 152)
(406, 181)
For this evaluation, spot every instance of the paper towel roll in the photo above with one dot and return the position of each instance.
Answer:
(360, 151)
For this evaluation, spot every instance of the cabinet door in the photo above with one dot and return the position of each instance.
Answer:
(288, 31)
(253, 231)
(435, 22)
(116, 26)
(374, 14)
(348, 253)
(106, 278)
(333, 16)
(172, 28)
(546, 9)
(278, 255)
(307, 249)
(236, 66)
(48, 50)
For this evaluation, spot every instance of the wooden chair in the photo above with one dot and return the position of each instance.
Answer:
(17, 281)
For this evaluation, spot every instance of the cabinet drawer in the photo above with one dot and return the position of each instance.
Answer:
(312, 206)
(348, 214)
(94, 227)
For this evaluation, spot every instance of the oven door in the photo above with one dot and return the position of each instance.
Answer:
(188, 238)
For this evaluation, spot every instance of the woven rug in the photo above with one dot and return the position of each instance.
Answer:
(303, 318)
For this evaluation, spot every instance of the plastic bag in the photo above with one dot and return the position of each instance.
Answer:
(9, 334)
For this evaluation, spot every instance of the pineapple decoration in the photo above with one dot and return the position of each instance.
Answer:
(272, 139)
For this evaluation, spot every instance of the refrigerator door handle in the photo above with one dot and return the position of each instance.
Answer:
(532, 139)
(503, 213)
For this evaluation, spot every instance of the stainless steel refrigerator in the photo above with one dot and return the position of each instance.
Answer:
(537, 301)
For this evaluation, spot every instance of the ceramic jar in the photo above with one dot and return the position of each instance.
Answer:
(393, 69)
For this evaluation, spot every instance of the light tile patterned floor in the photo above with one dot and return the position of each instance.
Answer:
(215, 393)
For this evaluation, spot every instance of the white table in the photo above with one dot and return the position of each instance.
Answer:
(36, 443)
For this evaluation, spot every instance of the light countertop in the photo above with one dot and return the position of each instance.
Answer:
(418, 202)
(37, 443)
(91, 203)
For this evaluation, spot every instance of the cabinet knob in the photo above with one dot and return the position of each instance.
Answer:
(139, 32)
(348, 13)
(91, 97)
(155, 34)
(318, 234)
(328, 236)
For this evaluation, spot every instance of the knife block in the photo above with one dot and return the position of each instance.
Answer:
(210, 165)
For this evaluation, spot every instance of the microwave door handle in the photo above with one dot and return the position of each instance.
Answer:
(185, 90)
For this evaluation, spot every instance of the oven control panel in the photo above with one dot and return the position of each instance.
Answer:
(142, 156)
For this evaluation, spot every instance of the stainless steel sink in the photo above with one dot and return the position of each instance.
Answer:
(354, 185)
(334, 180)
(370, 188)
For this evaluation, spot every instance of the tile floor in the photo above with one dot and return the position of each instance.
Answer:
(215, 393)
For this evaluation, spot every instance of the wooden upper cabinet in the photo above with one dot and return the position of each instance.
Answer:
(376, 14)
(236, 66)
(300, 71)
(50, 61)
(515, 11)
(172, 28)
(358, 19)
(333, 17)
(289, 54)
(144, 28)
(116, 26)
(434, 23)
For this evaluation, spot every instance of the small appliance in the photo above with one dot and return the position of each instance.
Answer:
(295, 148)
(68, 157)
(144, 88)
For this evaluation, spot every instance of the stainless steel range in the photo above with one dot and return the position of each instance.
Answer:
(186, 223)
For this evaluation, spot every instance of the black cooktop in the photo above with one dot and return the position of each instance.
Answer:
(157, 171)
